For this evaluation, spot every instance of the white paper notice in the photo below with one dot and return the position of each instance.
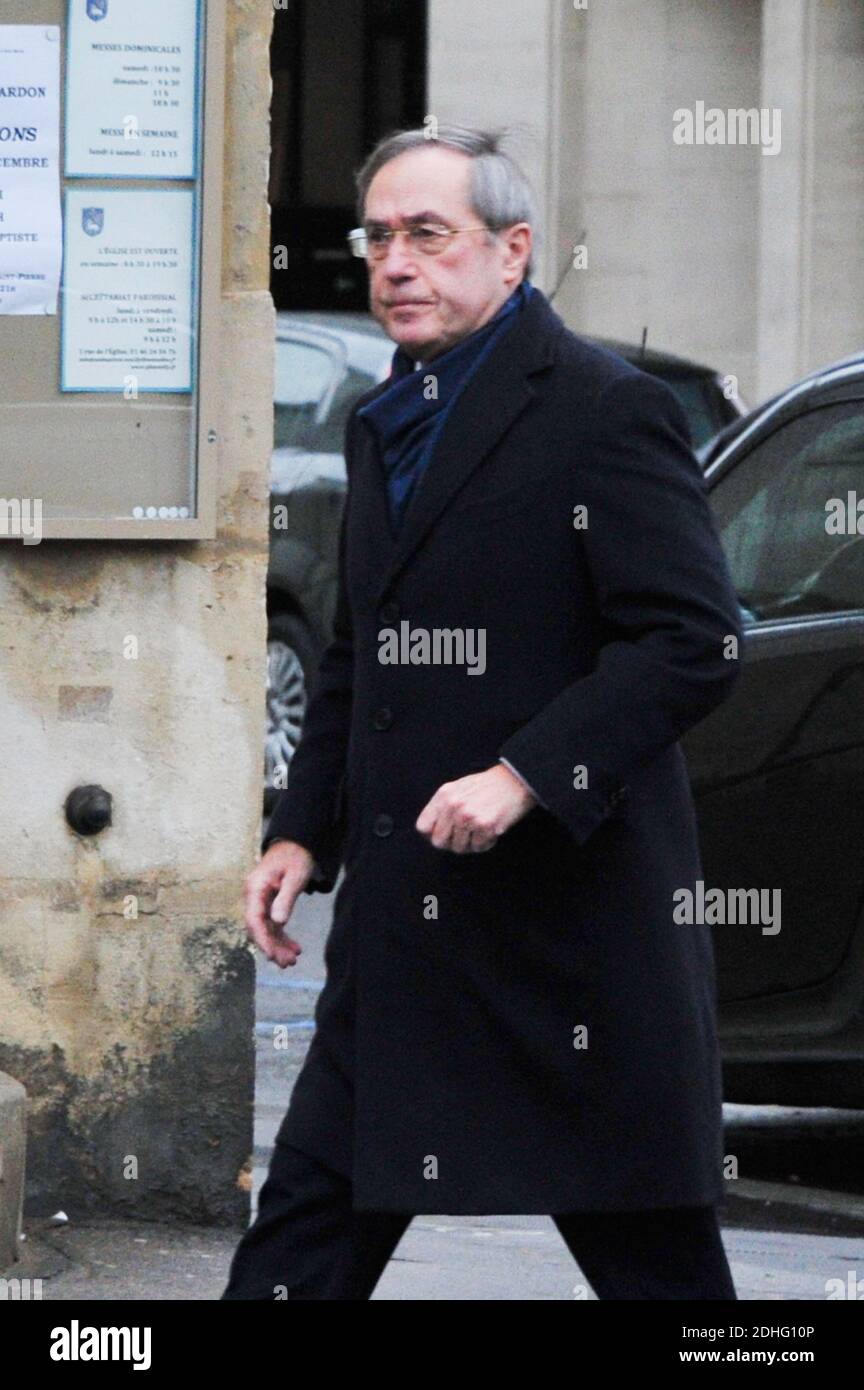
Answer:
(127, 290)
(30, 231)
(131, 89)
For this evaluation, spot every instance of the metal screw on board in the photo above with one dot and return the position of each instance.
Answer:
(88, 809)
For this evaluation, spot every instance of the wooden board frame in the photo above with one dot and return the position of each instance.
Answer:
(204, 432)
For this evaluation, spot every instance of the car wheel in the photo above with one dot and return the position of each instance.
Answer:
(290, 662)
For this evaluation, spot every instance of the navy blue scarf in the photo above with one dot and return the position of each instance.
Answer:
(406, 424)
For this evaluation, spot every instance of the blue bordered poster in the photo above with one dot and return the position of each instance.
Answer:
(128, 290)
(131, 89)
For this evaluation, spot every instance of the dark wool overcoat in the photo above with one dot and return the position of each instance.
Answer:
(524, 1029)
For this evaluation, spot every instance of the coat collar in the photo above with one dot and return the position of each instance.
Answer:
(492, 400)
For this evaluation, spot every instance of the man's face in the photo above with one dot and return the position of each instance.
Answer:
(426, 303)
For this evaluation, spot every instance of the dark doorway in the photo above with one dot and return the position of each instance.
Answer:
(345, 72)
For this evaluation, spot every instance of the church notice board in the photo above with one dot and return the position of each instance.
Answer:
(111, 145)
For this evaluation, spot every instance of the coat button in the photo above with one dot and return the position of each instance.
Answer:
(383, 825)
(389, 611)
(382, 718)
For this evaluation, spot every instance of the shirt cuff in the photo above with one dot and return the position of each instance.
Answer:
(517, 773)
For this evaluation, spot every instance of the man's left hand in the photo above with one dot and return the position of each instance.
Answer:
(469, 815)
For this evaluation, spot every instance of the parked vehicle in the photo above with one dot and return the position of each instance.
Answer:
(778, 770)
(710, 398)
(324, 362)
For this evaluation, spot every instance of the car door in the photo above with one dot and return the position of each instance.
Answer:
(778, 770)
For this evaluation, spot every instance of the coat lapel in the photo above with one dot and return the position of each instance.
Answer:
(492, 400)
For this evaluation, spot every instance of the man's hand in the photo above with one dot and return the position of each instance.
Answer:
(271, 890)
(469, 815)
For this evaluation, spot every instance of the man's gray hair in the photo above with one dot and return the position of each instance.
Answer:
(499, 191)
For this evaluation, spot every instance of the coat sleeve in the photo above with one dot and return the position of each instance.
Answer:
(309, 809)
(666, 609)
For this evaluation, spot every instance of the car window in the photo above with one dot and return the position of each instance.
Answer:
(786, 552)
(305, 376)
(693, 393)
(331, 433)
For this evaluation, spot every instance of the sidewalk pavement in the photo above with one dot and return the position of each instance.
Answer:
(473, 1258)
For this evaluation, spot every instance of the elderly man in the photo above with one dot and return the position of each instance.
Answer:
(512, 1021)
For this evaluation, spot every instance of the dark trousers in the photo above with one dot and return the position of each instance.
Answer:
(307, 1242)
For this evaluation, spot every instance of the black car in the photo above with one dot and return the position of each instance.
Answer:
(778, 770)
(710, 398)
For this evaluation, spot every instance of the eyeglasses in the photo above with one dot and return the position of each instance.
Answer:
(374, 243)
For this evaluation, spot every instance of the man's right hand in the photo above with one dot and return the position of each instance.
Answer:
(271, 890)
